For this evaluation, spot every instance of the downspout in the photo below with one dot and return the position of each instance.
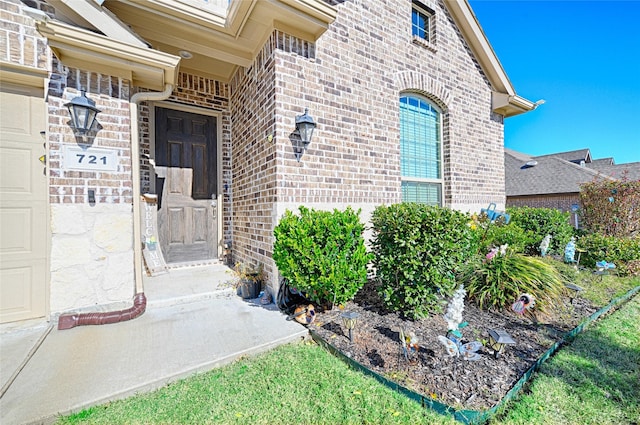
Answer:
(69, 321)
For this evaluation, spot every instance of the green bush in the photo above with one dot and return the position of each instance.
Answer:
(542, 222)
(623, 252)
(498, 282)
(417, 250)
(322, 253)
(496, 234)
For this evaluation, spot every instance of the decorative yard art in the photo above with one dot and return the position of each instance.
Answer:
(470, 392)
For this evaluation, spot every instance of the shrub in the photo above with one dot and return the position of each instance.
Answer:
(518, 239)
(542, 222)
(417, 249)
(623, 252)
(499, 281)
(611, 207)
(322, 253)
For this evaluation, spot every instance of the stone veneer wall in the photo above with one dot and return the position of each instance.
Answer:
(351, 81)
(91, 245)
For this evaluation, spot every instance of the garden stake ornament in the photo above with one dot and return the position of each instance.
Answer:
(524, 303)
(453, 316)
(524, 307)
(455, 348)
(544, 246)
(409, 343)
(570, 251)
(453, 341)
(603, 268)
(493, 215)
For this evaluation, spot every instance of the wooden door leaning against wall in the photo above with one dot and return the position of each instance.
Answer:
(186, 182)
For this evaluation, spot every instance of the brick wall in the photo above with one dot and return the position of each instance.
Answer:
(352, 86)
(562, 202)
(351, 81)
(254, 154)
(20, 43)
(111, 95)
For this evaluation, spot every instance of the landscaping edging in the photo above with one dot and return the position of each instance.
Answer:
(474, 416)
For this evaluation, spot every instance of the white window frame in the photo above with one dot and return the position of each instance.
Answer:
(437, 181)
(429, 16)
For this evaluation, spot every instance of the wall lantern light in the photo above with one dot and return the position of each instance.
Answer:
(305, 126)
(498, 340)
(350, 318)
(83, 113)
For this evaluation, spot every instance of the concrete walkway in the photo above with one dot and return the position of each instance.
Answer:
(53, 372)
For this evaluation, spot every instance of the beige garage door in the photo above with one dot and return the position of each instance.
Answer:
(23, 205)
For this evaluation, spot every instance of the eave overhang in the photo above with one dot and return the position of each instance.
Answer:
(221, 38)
(504, 100)
(79, 48)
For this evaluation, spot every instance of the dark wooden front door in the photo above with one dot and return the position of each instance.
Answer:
(186, 150)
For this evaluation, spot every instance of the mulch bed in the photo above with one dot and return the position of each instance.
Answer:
(475, 385)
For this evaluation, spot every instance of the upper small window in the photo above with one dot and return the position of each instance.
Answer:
(422, 22)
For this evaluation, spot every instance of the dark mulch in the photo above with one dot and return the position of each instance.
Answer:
(476, 385)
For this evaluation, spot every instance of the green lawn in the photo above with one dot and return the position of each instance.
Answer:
(595, 380)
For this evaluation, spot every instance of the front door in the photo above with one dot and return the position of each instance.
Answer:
(23, 204)
(186, 168)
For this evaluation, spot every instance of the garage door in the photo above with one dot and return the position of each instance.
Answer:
(23, 205)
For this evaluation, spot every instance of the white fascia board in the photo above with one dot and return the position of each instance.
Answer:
(505, 101)
(87, 50)
(103, 20)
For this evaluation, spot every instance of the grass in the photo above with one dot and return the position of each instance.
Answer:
(598, 289)
(595, 380)
(297, 383)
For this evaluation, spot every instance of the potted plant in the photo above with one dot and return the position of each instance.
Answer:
(249, 279)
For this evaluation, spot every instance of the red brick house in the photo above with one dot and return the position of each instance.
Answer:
(198, 102)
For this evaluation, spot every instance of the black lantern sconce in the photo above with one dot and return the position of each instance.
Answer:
(349, 318)
(83, 113)
(498, 340)
(304, 126)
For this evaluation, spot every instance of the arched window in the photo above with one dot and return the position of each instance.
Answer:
(420, 150)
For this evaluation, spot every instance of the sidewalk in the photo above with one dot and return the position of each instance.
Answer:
(72, 369)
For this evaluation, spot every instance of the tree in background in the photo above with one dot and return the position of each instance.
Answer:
(611, 207)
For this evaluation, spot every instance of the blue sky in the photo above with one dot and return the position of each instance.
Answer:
(583, 58)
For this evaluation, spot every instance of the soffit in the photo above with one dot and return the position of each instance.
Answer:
(220, 40)
(80, 48)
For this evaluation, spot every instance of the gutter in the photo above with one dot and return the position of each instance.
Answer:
(68, 321)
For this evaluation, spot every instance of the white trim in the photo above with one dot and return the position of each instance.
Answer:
(101, 19)
(439, 180)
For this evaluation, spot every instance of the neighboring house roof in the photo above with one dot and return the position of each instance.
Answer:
(603, 161)
(572, 156)
(630, 171)
(543, 175)
(561, 172)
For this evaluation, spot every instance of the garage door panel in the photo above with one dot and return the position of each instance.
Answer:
(15, 180)
(23, 205)
(19, 299)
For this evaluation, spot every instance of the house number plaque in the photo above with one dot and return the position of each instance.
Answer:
(90, 159)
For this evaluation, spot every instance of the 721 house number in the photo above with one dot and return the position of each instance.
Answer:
(90, 159)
